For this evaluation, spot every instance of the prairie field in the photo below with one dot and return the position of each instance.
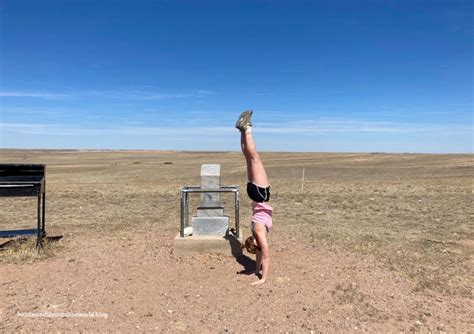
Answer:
(363, 242)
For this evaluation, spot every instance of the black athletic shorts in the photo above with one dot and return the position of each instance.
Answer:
(258, 194)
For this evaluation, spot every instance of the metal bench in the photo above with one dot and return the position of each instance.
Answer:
(24, 180)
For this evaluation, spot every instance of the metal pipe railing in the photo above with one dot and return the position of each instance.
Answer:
(184, 196)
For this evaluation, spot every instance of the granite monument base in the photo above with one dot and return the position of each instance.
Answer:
(228, 245)
(211, 226)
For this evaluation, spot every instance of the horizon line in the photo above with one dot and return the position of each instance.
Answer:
(226, 151)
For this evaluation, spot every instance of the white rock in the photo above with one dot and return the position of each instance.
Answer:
(188, 231)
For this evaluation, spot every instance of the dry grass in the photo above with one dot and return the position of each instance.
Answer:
(25, 250)
(418, 229)
(380, 242)
(412, 212)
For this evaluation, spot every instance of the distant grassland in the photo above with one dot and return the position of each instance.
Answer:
(414, 213)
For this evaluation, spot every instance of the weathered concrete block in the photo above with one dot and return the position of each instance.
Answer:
(210, 212)
(216, 226)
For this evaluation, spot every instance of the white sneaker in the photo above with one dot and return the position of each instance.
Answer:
(244, 121)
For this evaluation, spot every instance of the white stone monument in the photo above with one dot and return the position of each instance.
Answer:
(210, 219)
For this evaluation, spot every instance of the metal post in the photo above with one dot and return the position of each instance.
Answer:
(237, 213)
(43, 219)
(181, 229)
(186, 209)
(38, 235)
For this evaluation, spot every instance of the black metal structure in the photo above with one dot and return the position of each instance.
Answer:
(25, 180)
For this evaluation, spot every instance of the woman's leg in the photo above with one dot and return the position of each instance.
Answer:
(255, 169)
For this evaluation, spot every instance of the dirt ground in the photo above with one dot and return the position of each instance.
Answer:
(368, 242)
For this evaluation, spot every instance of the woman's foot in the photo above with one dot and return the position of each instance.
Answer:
(244, 121)
(259, 282)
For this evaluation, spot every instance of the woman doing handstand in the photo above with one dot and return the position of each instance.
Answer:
(258, 189)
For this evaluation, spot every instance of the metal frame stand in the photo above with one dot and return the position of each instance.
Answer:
(26, 180)
(186, 190)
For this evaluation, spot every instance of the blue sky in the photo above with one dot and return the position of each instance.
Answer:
(340, 76)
